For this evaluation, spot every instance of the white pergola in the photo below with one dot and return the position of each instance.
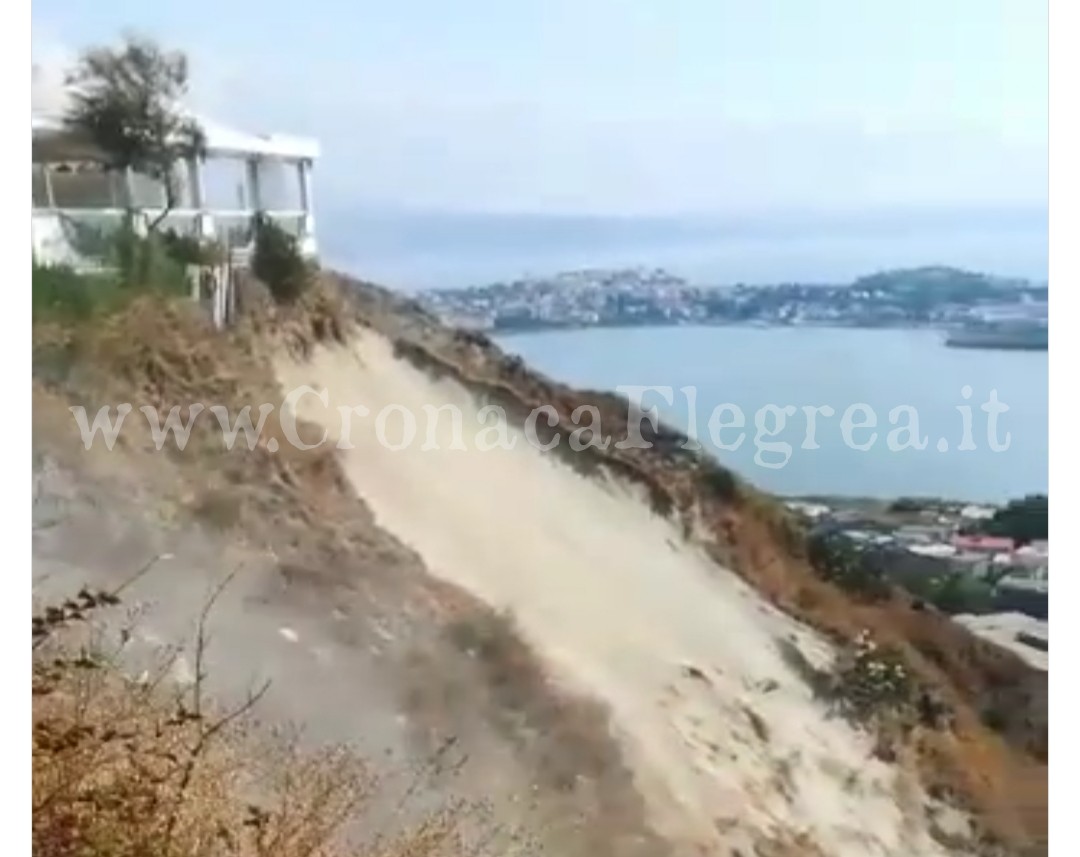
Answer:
(72, 189)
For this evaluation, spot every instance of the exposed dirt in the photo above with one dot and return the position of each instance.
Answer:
(361, 644)
(992, 759)
(624, 608)
(365, 643)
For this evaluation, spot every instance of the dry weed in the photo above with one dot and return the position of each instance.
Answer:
(125, 768)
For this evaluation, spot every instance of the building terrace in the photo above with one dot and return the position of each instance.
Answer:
(74, 198)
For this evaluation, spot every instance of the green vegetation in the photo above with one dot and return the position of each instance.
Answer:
(917, 504)
(277, 262)
(719, 481)
(189, 250)
(61, 294)
(872, 681)
(955, 592)
(126, 101)
(1023, 520)
(867, 574)
(127, 265)
(837, 560)
(869, 684)
(923, 288)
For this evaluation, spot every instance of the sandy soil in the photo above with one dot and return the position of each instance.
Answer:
(725, 739)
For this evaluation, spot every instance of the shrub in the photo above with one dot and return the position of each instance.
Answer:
(872, 681)
(908, 504)
(792, 534)
(131, 768)
(469, 337)
(835, 559)
(1023, 520)
(278, 263)
(957, 592)
(189, 250)
(720, 482)
(127, 264)
(145, 264)
(61, 293)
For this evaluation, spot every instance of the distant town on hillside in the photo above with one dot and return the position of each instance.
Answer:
(929, 296)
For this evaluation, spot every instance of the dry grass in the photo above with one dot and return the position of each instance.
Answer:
(138, 768)
(999, 775)
(163, 354)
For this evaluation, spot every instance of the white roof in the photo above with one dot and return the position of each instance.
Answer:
(813, 510)
(49, 98)
(221, 139)
(935, 550)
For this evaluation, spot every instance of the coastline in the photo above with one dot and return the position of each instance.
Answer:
(945, 331)
(554, 327)
(743, 368)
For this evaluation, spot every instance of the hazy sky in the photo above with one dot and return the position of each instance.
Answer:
(621, 106)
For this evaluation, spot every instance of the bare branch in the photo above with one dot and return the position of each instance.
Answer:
(201, 639)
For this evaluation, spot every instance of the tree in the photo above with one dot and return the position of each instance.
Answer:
(1024, 520)
(127, 102)
(837, 559)
(277, 261)
(959, 592)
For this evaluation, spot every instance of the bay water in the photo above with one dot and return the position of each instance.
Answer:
(893, 378)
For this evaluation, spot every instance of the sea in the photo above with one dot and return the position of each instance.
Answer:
(751, 368)
(904, 382)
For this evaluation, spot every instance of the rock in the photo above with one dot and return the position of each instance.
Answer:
(695, 673)
(768, 685)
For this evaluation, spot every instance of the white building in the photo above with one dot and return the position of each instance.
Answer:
(933, 549)
(240, 175)
(814, 511)
(978, 513)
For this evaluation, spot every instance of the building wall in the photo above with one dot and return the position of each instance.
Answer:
(50, 242)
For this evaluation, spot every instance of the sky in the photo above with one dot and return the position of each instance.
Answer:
(626, 107)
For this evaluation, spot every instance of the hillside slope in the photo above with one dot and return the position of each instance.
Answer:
(665, 697)
(725, 739)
